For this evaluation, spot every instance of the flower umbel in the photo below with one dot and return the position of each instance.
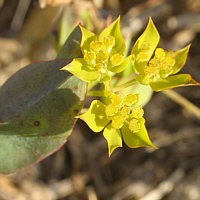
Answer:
(116, 118)
(101, 56)
(158, 72)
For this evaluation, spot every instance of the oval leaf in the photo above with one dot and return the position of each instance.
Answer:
(37, 108)
(41, 129)
(29, 85)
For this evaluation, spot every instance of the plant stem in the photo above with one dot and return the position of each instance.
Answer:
(183, 102)
(124, 85)
(102, 93)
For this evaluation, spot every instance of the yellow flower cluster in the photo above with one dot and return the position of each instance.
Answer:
(119, 111)
(99, 54)
(160, 66)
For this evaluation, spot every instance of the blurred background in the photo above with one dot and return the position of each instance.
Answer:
(81, 170)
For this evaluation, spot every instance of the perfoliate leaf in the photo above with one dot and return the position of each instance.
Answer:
(79, 68)
(95, 117)
(180, 57)
(87, 38)
(121, 67)
(139, 139)
(114, 30)
(173, 81)
(113, 137)
(37, 109)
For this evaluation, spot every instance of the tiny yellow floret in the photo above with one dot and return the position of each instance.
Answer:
(134, 126)
(111, 110)
(96, 46)
(102, 57)
(117, 122)
(130, 99)
(124, 112)
(116, 59)
(137, 112)
(160, 53)
(90, 57)
(109, 41)
(115, 99)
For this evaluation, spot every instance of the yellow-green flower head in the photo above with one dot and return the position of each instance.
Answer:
(101, 56)
(157, 72)
(119, 110)
(116, 119)
(165, 63)
(161, 66)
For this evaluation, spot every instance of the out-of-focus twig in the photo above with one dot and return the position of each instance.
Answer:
(183, 102)
(19, 15)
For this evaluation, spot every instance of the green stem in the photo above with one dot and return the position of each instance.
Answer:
(183, 102)
(124, 85)
(102, 93)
